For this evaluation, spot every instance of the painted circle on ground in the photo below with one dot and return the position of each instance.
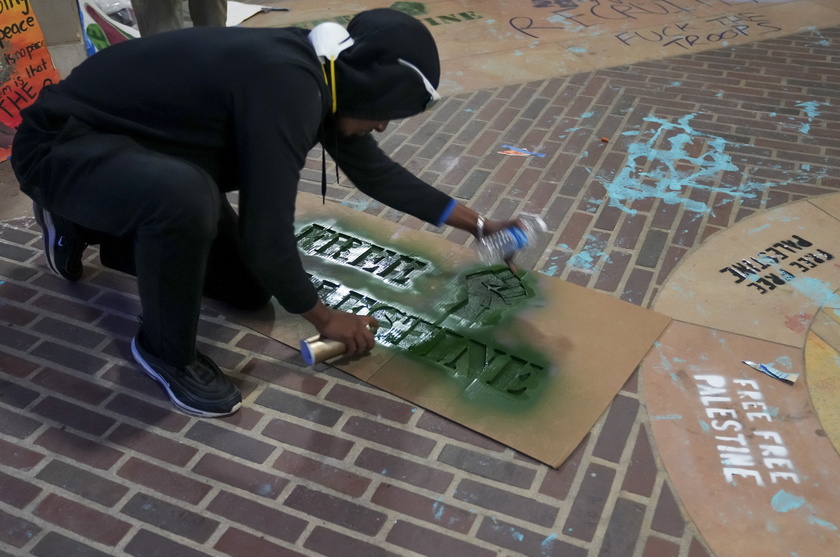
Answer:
(822, 364)
(742, 449)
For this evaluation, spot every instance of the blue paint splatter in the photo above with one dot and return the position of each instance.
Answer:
(820, 522)
(668, 417)
(438, 507)
(704, 426)
(810, 108)
(547, 543)
(819, 292)
(785, 502)
(670, 183)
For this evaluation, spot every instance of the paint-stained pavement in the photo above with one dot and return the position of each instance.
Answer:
(94, 461)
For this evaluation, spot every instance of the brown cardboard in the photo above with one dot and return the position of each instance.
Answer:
(590, 341)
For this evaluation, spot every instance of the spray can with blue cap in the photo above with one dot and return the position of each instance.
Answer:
(506, 243)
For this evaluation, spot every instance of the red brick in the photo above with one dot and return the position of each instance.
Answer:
(74, 387)
(152, 444)
(319, 472)
(307, 438)
(78, 360)
(616, 429)
(82, 520)
(623, 529)
(667, 517)
(68, 308)
(230, 442)
(240, 476)
(641, 471)
(52, 544)
(260, 517)
(236, 543)
(335, 544)
(146, 543)
(512, 504)
(433, 542)
(483, 465)
(267, 347)
(20, 458)
(336, 510)
(15, 366)
(161, 415)
(389, 436)
(78, 481)
(16, 531)
(657, 547)
(78, 448)
(172, 518)
(165, 481)
(416, 505)
(16, 315)
(696, 549)
(558, 482)
(524, 541)
(17, 492)
(73, 415)
(404, 470)
(589, 502)
(384, 407)
(284, 376)
(636, 286)
(451, 430)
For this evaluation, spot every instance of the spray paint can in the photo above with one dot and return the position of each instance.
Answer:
(504, 244)
(316, 349)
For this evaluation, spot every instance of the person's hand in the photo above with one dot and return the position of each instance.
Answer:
(354, 331)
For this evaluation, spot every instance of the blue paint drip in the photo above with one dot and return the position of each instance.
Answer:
(785, 502)
(819, 522)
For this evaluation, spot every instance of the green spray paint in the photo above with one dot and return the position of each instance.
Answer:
(445, 320)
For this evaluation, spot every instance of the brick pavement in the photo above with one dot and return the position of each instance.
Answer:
(94, 461)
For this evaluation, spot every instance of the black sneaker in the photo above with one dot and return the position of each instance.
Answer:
(62, 244)
(199, 389)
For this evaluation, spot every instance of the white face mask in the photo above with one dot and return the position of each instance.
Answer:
(329, 39)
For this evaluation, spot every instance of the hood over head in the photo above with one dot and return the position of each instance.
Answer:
(371, 80)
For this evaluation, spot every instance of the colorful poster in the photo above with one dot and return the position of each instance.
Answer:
(25, 69)
(106, 22)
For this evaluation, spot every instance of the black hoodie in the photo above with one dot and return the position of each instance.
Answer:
(247, 106)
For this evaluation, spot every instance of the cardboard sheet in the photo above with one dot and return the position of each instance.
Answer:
(530, 361)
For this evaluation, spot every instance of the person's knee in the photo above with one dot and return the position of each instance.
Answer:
(189, 205)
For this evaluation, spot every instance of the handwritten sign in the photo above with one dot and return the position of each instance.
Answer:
(26, 66)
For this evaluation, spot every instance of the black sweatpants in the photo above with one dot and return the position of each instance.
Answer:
(158, 217)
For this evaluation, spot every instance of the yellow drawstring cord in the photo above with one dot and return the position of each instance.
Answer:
(331, 83)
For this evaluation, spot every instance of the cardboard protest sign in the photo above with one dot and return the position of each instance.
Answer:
(25, 69)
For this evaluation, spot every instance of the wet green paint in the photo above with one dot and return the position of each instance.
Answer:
(447, 320)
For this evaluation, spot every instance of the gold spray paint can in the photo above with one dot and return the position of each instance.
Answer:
(316, 349)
